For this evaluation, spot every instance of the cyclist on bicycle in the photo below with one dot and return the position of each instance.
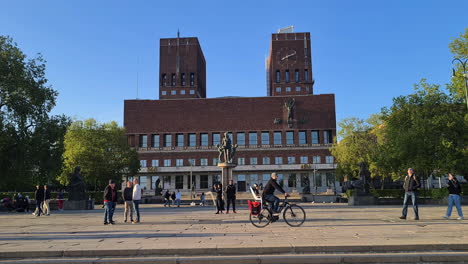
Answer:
(268, 192)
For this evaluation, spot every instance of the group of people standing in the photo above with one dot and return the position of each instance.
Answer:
(131, 196)
(176, 197)
(230, 197)
(42, 196)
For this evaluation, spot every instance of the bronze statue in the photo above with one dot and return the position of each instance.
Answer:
(76, 188)
(226, 149)
(289, 105)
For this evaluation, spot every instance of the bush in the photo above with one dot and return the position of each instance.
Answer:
(388, 193)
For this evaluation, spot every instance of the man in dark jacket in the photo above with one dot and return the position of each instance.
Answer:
(39, 197)
(110, 199)
(231, 196)
(455, 190)
(127, 196)
(269, 190)
(411, 186)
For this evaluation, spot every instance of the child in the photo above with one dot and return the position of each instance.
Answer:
(202, 198)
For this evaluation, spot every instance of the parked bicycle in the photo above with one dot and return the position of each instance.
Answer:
(293, 214)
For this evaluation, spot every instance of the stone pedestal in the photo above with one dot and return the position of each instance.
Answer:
(362, 198)
(78, 205)
(226, 175)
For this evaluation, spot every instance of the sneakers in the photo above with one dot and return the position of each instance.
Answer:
(446, 217)
(416, 218)
(460, 218)
(105, 223)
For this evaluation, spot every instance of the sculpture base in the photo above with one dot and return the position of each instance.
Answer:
(361, 198)
(78, 205)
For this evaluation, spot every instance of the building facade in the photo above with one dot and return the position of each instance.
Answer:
(288, 132)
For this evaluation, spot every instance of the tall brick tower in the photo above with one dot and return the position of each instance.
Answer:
(289, 65)
(182, 68)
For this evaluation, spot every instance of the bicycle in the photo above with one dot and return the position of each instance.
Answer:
(293, 215)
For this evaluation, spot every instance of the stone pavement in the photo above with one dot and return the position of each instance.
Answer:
(329, 228)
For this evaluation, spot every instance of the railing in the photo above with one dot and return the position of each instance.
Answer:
(259, 146)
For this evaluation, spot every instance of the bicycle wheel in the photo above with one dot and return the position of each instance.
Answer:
(294, 215)
(262, 219)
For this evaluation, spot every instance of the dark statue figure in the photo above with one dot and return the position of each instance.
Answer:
(226, 150)
(76, 188)
(289, 105)
(362, 183)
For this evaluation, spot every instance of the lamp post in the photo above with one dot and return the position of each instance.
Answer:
(464, 75)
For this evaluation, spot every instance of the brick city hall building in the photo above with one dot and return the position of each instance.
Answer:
(288, 132)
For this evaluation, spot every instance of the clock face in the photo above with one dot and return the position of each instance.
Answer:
(286, 56)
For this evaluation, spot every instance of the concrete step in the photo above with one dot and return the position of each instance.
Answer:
(408, 257)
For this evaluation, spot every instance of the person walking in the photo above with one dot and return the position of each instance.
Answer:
(167, 199)
(202, 198)
(60, 198)
(39, 197)
(411, 186)
(231, 196)
(455, 190)
(173, 197)
(45, 207)
(178, 197)
(136, 200)
(127, 196)
(219, 198)
(110, 199)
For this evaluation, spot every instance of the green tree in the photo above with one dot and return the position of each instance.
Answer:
(459, 49)
(30, 139)
(101, 150)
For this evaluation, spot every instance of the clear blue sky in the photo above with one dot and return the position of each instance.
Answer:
(365, 52)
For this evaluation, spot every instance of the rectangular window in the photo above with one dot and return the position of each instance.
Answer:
(277, 138)
(192, 140)
(182, 91)
(287, 76)
(241, 139)
(302, 137)
(290, 137)
(329, 159)
(155, 163)
(216, 139)
(265, 138)
(278, 89)
(266, 177)
(143, 141)
(315, 137)
(215, 161)
(316, 160)
(167, 163)
(253, 138)
(192, 79)
(173, 92)
(292, 181)
(291, 160)
(296, 76)
(155, 183)
(240, 161)
(167, 140)
(288, 89)
(192, 91)
(173, 80)
(298, 88)
(192, 162)
(203, 139)
(182, 79)
(304, 160)
(203, 181)
(179, 182)
(144, 182)
(253, 161)
(278, 160)
(163, 93)
(327, 137)
(266, 161)
(253, 178)
(155, 141)
(203, 162)
(143, 163)
(180, 140)
(164, 80)
(277, 77)
(179, 162)
(306, 75)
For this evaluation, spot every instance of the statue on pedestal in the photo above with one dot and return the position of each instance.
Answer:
(226, 149)
(76, 188)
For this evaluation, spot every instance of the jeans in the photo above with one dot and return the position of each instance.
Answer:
(233, 201)
(274, 201)
(109, 208)
(414, 200)
(38, 208)
(128, 210)
(136, 206)
(178, 202)
(454, 199)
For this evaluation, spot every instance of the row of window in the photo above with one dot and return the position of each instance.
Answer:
(287, 77)
(174, 92)
(240, 161)
(164, 81)
(241, 139)
(288, 89)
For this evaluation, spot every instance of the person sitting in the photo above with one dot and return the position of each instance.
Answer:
(269, 190)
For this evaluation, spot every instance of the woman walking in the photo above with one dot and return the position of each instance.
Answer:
(454, 188)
